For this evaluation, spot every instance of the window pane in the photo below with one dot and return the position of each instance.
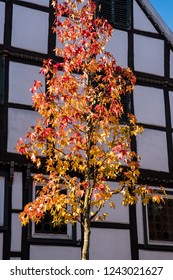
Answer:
(45, 228)
(160, 221)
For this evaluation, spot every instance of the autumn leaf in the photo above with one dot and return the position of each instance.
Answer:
(79, 142)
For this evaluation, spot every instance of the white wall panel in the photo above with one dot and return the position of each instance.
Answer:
(149, 105)
(58, 44)
(171, 64)
(19, 91)
(78, 231)
(18, 123)
(30, 29)
(17, 191)
(120, 214)
(141, 22)
(2, 191)
(110, 244)
(118, 46)
(16, 233)
(152, 148)
(2, 19)
(155, 255)
(171, 105)
(39, 2)
(54, 253)
(149, 55)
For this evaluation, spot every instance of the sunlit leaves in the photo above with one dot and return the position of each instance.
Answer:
(79, 141)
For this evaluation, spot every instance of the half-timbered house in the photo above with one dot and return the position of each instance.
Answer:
(141, 41)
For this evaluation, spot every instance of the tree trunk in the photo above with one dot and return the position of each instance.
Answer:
(86, 239)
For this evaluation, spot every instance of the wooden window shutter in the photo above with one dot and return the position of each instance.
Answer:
(117, 12)
(2, 77)
(107, 9)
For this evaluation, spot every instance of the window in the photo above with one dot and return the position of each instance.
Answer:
(117, 12)
(46, 227)
(2, 200)
(46, 230)
(2, 75)
(160, 222)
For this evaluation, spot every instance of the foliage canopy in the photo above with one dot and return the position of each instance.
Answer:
(79, 140)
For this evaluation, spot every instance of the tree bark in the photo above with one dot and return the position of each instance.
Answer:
(86, 239)
(86, 225)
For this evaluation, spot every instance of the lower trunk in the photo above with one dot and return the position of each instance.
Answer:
(86, 239)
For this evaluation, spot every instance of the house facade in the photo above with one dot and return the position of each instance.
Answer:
(141, 41)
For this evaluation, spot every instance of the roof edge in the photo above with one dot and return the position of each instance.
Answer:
(151, 11)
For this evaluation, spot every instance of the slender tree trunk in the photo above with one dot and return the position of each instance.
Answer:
(86, 239)
(86, 225)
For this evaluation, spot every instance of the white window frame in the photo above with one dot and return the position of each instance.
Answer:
(156, 242)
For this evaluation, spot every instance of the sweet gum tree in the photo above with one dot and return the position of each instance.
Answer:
(79, 140)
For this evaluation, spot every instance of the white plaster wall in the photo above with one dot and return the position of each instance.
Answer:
(120, 214)
(78, 231)
(54, 253)
(110, 244)
(17, 191)
(140, 224)
(2, 190)
(149, 55)
(141, 22)
(118, 46)
(39, 2)
(155, 255)
(16, 233)
(171, 64)
(171, 106)
(2, 19)
(21, 79)
(149, 105)
(58, 44)
(1, 246)
(30, 29)
(152, 148)
(18, 123)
